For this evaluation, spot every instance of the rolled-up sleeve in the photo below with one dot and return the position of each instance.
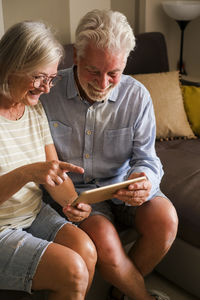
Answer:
(144, 158)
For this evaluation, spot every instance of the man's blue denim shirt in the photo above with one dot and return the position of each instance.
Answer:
(109, 139)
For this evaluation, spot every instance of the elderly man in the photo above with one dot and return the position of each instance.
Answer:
(104, 121)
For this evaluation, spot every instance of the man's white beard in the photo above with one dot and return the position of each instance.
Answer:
(95, 95)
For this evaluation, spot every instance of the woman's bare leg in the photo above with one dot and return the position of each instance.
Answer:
(63, 272)
(80, 242)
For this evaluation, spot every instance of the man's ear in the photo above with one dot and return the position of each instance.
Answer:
(75, 56)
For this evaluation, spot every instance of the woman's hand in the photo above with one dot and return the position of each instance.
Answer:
(137, 193)
(77, 213)
(51, 173)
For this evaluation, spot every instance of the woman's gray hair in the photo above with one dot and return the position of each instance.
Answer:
(106, 29)
(23, 48)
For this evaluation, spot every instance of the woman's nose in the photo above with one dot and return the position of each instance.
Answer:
(45, 87)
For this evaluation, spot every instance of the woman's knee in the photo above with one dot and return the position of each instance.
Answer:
(61, 270)
(71, 281)
(76, 276)
(79, 241)
(90, 253)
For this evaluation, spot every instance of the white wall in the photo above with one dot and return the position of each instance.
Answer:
(1, 20)
(77, 9)
(128, 8)
(55, 13)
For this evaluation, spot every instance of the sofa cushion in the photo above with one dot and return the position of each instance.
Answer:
(191, 97)
(181, 163)
(165, 90)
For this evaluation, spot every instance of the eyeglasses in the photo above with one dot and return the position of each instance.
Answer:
(40, 80)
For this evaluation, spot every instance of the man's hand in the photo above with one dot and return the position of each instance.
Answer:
(137, 193)
(77, 213)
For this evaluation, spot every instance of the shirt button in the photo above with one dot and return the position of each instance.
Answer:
(55, 125)
(87, 155)
(89, 132)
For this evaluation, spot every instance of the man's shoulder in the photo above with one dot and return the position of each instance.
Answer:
(65, 72)
(129, 80)
(131, 85)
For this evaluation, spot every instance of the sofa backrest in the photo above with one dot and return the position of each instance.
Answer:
(149, 55)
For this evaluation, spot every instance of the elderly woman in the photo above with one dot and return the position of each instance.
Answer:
(38, 248)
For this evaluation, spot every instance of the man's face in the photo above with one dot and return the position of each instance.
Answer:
(99, 71)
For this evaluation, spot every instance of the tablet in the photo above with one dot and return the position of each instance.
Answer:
(104, 193)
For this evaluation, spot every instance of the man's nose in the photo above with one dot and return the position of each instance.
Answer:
(103, 81)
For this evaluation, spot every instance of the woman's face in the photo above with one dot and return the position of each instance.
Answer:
(22, 86)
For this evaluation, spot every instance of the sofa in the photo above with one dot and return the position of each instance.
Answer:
(178, 146)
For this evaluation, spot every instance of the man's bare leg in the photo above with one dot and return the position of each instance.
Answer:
(157, 226)
(113, 263)
(157, 223)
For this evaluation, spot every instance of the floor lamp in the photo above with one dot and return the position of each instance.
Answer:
(182, 12)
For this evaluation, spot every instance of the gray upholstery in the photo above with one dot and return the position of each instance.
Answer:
(181, 162)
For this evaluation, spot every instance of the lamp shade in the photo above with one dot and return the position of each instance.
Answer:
(182, 10)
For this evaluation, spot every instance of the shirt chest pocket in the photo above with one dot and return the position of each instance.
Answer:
(118, 144)
(62, 135)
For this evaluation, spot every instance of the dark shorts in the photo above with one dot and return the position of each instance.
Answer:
(118, 213)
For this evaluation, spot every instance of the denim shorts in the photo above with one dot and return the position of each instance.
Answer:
(22, 249)
(118, 213)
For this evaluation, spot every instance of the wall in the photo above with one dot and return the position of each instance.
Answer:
(153, 18)
(1, 19)
(47, 10)
(143, 15)
(77, 11)
(127, 7)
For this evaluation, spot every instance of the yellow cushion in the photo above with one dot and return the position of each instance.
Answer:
(166, 94)
(191, 97)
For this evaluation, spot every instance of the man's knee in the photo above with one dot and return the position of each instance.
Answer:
(106, 240)
(157, 217)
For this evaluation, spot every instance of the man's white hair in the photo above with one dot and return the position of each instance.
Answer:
(106, 29)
